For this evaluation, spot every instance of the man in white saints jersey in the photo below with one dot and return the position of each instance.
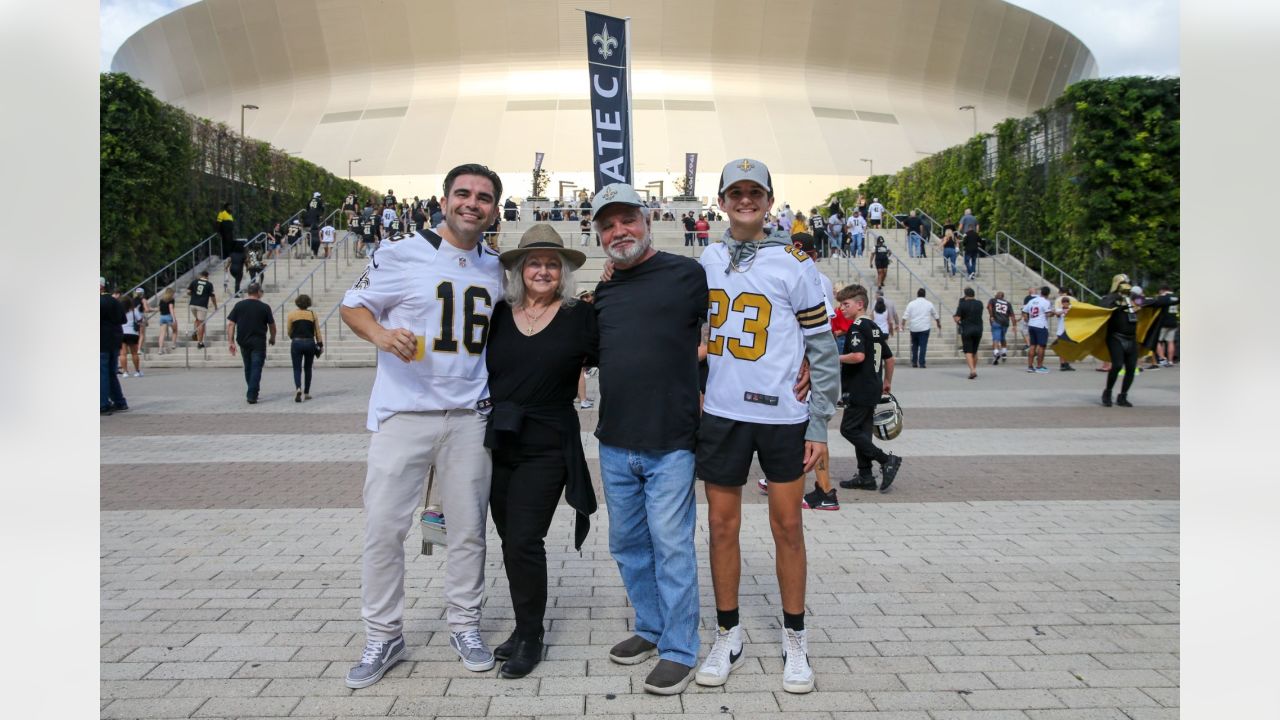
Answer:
(768, 313)
(425, 301)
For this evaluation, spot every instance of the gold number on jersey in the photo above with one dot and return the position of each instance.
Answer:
(878, 352)
(757, 328)
(472, 321)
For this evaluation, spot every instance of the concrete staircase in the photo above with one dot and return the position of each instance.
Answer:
(327, 281)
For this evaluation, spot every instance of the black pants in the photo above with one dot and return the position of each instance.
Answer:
(855, 426)
(253, 357)
(303, 353)
(237, 268)
(528, 480)
(1124, 353)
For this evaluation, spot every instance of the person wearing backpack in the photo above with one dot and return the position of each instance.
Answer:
(305, 345)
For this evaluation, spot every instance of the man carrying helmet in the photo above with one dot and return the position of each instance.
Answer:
(866, 369)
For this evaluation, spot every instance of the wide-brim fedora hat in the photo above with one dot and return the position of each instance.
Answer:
(542, 237)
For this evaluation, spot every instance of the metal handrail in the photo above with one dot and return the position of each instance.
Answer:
(1062, 274)
(322, 268)
(207, 241)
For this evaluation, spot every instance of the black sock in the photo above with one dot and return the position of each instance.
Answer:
(727, 619)
(793, 621)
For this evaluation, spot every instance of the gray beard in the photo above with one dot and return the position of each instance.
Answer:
(638, 248)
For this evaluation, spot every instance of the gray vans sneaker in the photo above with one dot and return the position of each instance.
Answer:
(377, 659)
(476, 656)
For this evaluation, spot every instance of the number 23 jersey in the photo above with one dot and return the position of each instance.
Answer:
(445, 296)
(758, 322)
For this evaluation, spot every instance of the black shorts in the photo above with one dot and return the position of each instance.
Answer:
(130, 340)
(884, 266)
(970, 342)
(725, 448)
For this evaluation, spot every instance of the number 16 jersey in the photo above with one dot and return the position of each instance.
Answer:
(445, 296)
(759, 316)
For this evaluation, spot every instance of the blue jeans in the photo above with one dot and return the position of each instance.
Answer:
(857, 244)
(110, 395)
(971, 263)
(253, 357)
(919, 344)
(915, 244)
(949, 259)
(649, 496)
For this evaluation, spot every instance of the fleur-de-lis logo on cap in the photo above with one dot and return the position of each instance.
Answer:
(609, 193)
(604, 40)
(745, 165)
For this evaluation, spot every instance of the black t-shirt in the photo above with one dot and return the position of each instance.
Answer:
(541, 368)
(690, 223)
(295, 232)
(970, 312)
(389, 200)
(166, 307)
(201, 291)
(366, 227)
(349, 203)
(251, 318)
(864, 381)
(315, 209)
(972, 241)
(1000, 309)
(111, 318)
(882, 256)
(949, 241)
(650, 318)
(914, 224)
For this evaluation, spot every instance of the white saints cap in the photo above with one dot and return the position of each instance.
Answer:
(315, 194)
(746, 169)
(615, 193)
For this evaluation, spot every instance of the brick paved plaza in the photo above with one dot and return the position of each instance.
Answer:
(1025, 565)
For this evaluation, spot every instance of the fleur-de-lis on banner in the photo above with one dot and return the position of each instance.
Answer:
(605, 41)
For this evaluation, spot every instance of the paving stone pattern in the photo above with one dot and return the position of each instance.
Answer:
(1028, 577)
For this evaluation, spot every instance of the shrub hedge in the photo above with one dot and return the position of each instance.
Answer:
(1091, 182)
(164, 175)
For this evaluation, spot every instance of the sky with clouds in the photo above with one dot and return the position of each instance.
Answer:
(1127, 37)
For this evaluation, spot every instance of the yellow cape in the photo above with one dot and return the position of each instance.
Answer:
(1086, 327)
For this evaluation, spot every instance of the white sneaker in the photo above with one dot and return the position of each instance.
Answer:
(138, 374)
(797, 676)
(585, 405)
(725, 655)
(763, 485)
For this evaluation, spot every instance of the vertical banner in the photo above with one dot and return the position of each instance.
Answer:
(690, 173)
(537, 162)
(609, 69)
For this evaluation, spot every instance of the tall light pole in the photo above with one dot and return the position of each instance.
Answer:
(349, 167)
(240, 179)
(975, 117)
(871, 166)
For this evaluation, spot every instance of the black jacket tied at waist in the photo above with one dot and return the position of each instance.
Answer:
(504, 425)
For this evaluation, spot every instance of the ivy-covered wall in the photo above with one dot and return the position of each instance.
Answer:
(165, 174)
(1108, 202)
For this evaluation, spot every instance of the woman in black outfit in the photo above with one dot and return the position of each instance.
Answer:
(305, 345)
(539, 340)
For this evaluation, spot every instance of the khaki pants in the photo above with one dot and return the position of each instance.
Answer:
(400, 455)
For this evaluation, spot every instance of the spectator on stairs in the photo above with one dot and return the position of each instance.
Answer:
(168, 319)
(880, 260)
(201, 294)
(885, 314)
(949, 251)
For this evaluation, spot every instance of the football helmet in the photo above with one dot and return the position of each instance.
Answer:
(888, 418)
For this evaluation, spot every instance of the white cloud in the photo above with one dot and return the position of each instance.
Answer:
(1127, 37)
(118, 19)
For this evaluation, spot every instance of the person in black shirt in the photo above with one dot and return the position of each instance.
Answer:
(201, 293)
(540, 338)
(866, 373)
(968, 317)
(349, 208)
(915, 226)
(650, 314)
(110, 336)
(248, 324)
(1123, 344)
(972, 244)
(312, 218)
(880, 260)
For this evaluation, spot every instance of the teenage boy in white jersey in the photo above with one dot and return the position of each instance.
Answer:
(768, 313)
(425, 301)
(326, 238)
